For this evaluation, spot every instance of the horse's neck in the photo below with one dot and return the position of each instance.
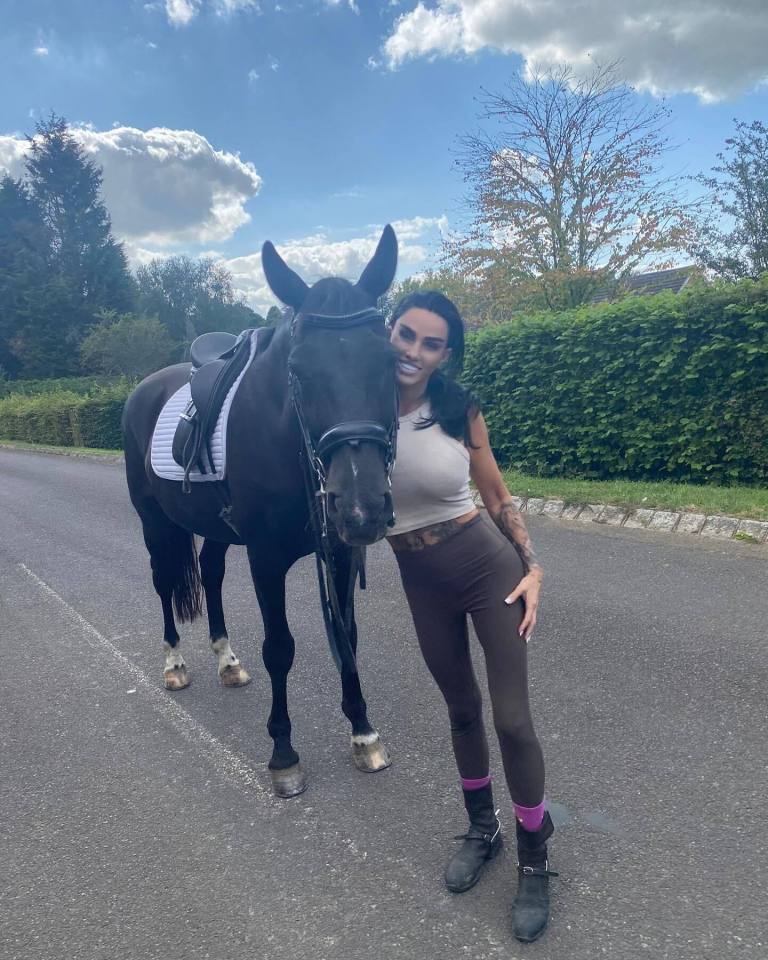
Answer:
(265, 383)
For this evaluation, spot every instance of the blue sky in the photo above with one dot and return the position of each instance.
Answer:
(221, 123)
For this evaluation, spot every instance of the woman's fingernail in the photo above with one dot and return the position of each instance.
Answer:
(507, 601)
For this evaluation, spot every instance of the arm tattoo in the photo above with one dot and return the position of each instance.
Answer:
(510, 522)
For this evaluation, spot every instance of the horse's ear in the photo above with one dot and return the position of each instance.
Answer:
(377, 277)
(286, 285)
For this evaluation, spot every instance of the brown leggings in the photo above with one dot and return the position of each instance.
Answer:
(471, 573)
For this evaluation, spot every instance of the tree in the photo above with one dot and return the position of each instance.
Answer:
(66, 186)
(275, 316)
(567, 194)
(127, 345)
(191, 297)
(733, 236)
(469, 295)
(27, 288)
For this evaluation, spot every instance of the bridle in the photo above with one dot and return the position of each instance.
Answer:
(316, 458)
(352, 432)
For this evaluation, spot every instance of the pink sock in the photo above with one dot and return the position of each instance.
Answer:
(531, 817)
(467, 784)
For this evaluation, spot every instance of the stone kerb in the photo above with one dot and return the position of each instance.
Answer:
(646, 518)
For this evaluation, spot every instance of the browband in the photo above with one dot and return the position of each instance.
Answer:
(368, 315)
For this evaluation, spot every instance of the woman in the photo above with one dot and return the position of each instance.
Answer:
(453, 563)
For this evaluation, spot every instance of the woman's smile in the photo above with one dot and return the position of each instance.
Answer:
(407, 367)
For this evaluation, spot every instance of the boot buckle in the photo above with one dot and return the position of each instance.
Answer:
(537, 871)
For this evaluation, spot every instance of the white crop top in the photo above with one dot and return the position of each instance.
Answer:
(430, 481)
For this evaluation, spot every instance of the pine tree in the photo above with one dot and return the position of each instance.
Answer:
(26, 280)
(90, 264)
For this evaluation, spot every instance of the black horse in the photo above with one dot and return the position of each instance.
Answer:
(319, 375)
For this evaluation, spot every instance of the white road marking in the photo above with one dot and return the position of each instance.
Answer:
(232, 766)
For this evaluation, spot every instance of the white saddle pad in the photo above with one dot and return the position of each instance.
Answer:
(161, 457)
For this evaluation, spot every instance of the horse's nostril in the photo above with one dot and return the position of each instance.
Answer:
(357, 517)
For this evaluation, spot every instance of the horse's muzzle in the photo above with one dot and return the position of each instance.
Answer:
(360, 524)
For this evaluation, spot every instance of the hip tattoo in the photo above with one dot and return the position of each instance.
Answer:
(428, 536)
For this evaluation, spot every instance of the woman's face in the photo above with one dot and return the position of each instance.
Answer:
(421, 340)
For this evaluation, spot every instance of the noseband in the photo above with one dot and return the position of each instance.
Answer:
(352, 432)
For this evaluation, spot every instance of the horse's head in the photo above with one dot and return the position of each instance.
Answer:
(342, 371)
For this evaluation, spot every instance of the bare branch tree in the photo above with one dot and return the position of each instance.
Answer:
(567, 194)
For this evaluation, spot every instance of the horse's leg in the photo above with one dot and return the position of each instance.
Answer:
(176, 579)
(212, 562)
(278, 650)
(368, 752)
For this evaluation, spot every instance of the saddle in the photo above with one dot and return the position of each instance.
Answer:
(218, 359)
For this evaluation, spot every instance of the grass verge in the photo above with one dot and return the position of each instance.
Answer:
(95, 452)
(747, 502)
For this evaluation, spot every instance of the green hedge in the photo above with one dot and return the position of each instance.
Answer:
(80, 385)
(665, 387)
(66, 418)
(651, 387)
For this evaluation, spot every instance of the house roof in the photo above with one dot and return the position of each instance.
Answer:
(646, 284)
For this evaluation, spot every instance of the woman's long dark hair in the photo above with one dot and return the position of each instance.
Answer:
(452, 405)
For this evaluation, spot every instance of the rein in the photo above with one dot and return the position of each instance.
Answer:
(338, 622)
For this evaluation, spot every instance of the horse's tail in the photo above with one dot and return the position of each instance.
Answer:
(174, 558)
(187, 586)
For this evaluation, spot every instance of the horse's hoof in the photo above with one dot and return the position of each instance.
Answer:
(370, 755)
(176, 678)
(289, 782)
(235, 675)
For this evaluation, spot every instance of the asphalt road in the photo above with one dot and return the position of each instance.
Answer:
(139, 824)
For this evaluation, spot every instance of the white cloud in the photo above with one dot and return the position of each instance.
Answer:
(12, 153)
(162, 187)
(704, 47)
(253, 76)
(41, 51)
(352, 4)
(139, 256)
(316, 256)
(417, 227)
(227, 7)
(181, 12)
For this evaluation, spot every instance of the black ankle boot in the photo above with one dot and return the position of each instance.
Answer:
(532, 901)
(481, 842)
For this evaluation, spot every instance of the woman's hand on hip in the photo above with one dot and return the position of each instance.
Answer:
(529, 589)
